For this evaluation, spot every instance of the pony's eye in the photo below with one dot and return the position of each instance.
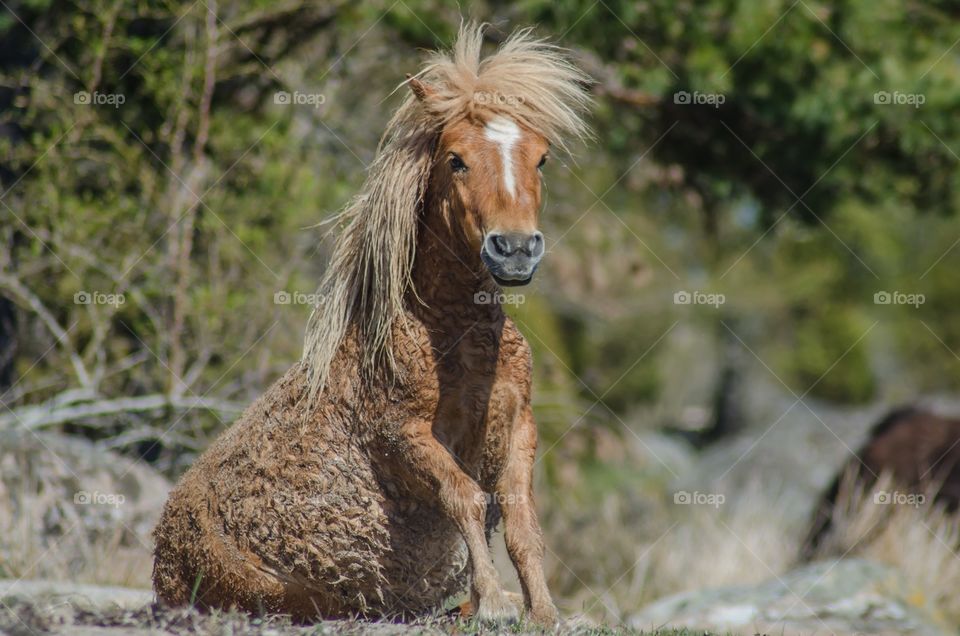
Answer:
(543, 160)
(456, 163)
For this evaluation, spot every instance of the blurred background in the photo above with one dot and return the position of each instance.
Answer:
(753, 261)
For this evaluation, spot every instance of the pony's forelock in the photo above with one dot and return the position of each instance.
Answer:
(529, 80)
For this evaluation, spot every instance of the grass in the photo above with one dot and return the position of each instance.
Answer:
(20, 617)
(653, 548)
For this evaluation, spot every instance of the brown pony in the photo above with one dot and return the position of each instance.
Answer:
(917, 449)
(367, 480)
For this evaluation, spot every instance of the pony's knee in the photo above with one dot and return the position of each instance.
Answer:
(464, 500)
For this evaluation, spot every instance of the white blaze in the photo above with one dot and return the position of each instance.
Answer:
(505, 133)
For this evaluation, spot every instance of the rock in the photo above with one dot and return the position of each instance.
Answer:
(79, 595)
(846, 597)
(72, 510)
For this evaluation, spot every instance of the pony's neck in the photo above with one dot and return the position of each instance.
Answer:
(449, 277)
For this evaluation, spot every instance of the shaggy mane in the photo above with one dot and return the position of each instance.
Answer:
(527, 79)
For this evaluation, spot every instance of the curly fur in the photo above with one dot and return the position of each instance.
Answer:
(343, 491)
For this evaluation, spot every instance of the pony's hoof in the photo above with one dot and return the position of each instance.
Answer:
(497, 608)
(546, 616)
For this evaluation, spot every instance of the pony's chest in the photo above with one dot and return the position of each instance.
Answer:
(472, 404)
(475, 417)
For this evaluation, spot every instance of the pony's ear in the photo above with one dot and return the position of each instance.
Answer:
(421, 90)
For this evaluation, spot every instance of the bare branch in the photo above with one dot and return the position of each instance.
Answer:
(185, 247)
(55, 411)
(32, 301)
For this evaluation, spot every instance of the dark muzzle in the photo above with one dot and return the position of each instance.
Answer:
(512, 257)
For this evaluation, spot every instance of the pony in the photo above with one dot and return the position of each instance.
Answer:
(368, 479)
(919, 450)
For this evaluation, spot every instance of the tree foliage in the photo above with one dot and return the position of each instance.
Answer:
(797, 158)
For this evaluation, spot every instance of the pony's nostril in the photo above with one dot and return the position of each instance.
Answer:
(535, 244)
(510, 244)
(501, 245)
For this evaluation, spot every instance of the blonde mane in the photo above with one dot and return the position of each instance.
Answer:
(527, 79)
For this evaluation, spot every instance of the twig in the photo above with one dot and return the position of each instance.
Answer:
(24, 295)
(56, 412)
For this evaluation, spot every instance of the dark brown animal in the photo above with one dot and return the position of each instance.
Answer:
(918, 449)
(368, 478)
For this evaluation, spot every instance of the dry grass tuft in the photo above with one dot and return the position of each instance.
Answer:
(46, 534)
(903, 529)
(47, 539)
(655, 548)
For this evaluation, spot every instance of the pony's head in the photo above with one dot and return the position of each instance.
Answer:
(496, 120)
(477, 130)
(489, 167)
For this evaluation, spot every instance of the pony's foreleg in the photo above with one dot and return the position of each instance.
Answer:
(436, 472)
(523, 536)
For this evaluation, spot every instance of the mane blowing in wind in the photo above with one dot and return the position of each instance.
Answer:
(368, 279)
(369, 478)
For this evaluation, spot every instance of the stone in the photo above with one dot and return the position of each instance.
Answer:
(846, 597)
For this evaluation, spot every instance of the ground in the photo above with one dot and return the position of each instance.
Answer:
(25, 618)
